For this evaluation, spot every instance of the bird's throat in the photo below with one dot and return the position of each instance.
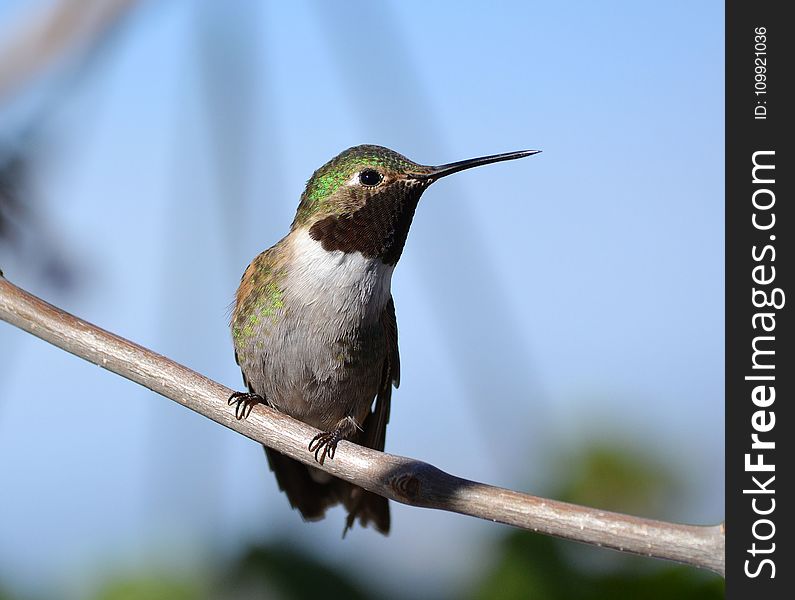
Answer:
(376, 230)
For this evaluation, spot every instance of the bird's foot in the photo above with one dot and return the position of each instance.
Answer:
(325, 444)
(244, 402)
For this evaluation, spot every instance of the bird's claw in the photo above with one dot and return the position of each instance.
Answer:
(244, 402)
(325, 444)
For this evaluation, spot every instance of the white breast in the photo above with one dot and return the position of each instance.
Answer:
(344, 285)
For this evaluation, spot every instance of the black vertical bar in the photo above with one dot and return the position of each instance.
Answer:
(759, 275)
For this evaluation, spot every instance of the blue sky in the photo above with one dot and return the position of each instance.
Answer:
(572, 296)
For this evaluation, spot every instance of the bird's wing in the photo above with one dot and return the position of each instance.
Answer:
(242, 372)
(392, 366)
(361, 504)
(374, 433)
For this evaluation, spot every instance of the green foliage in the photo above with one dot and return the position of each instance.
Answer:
(4, 595)
(612, 478)
(286, 572)
(534, 566)
(152, 587)
(620, 479)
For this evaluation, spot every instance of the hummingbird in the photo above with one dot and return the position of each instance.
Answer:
(313, 323)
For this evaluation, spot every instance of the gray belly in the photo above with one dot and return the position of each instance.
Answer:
(318, 371)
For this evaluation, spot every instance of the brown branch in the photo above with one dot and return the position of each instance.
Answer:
(401, 479)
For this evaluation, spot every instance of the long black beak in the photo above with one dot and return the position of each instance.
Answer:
(431, 174)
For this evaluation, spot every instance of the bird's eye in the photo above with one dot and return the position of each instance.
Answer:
(370, 177)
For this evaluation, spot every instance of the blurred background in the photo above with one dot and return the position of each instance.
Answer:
(563, 315)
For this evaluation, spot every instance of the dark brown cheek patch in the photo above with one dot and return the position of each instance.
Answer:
(377, 230)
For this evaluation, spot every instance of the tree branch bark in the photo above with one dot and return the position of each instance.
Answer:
(401, 479)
